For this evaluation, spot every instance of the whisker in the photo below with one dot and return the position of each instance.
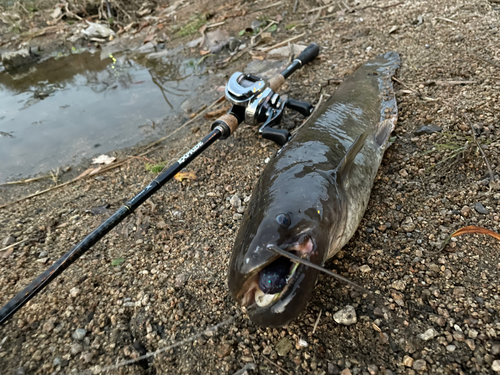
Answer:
(296, 259)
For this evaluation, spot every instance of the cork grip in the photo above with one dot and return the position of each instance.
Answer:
(230, 120)
(276, 82)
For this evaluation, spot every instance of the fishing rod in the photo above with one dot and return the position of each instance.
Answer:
(254, 102)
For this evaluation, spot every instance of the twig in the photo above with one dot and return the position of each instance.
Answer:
(317, 321)
(284, 43)
(381, 8)
(488, 61)
(295, 6)
(492, 176)
(99, 370)
(415, 91)
(446, 19)
(19, 182)
(12, 245)
(216, 24)
(252, 39)
(274, 364)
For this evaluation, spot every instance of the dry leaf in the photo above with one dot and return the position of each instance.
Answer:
(217, 112)
(185, 175)
(203, 53)
(103, 159)
(8, 252)
(148, 38)
(85, 173)
(474, 229)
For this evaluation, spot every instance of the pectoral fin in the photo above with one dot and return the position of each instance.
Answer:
(348, 160)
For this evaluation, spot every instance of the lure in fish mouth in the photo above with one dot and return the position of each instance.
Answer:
(312, 196)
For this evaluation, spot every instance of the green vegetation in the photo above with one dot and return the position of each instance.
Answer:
(117, 262)
(155, 168)
(290, 25)
(192, 26)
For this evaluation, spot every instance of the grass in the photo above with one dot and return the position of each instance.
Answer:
(155, 168)
(192, 26)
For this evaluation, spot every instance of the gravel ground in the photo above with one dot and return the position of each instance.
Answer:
(436, 311)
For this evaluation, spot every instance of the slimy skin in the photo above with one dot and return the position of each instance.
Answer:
(320, 182)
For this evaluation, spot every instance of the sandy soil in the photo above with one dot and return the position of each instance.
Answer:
(439, 309)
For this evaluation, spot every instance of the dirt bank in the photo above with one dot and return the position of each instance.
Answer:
(442, 315)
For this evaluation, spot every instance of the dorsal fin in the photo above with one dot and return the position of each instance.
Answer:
(348, 160)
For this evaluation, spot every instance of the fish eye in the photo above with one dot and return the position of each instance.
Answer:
(284, 220)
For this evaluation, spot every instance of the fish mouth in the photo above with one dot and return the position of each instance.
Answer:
(252, 295)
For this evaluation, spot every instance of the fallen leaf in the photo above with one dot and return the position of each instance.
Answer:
(86, 172)
(478, 230)
(217, 112)
(148, 38)
(117, 262)
(203, 53)
(7, 253)
(103, 159)
(185, 175)
(471, 229)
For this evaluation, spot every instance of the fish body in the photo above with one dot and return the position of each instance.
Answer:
(313, 194)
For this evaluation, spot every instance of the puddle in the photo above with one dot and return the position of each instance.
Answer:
(63, 110)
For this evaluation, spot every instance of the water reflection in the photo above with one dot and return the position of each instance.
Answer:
(62, 110)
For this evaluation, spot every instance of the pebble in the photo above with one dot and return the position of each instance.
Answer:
(429, 334)
(235, 201)
(451, 348)
(57, 362)
(8, 241)
(408, 225)
(180, 280)
(43, 254)
(74, 292)
(365, 268)
(333, 369)
(346, 371)
(496, 365)
(79, 334)
(237, 216)
(428, 129)
(373, 369)
(399, 285)
(495, 349)
(48, 326)
(407, 361)
(346, 316)
(284, 346)
(481, 209)
(465, 211)
(76, 348)
(420, 365)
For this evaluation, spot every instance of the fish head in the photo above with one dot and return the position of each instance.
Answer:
(274, 289)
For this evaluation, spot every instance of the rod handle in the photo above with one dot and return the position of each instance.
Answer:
(309, 54)
(227, 124)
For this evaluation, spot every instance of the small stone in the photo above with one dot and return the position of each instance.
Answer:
(79, 334)
(180, 280)
(74, 292)
(399, 285)
(407, 361)
(346, 371)
(267, 350)
(373, 369)
(481, 209)
(459, 336)
(459, 291)
(428, 129)
(408, 225)
(224, 350)
(470, 343)
(346, 316)
(465, 211)
(235, 201)
(495, 349)
(451, 348)
(284, 346)
(429, 334)
(76, 348)
(43, 254)
(420, 365)
(496, 365)
(7, 241)
(333, 369)
(365, 268)
(403, 173)
(473, 333)
(237, 216)
(87, 357)
(48, 326)
(57, 362)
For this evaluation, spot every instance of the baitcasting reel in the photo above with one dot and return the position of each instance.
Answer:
(254, 102)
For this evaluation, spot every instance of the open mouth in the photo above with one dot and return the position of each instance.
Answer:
(274, 278)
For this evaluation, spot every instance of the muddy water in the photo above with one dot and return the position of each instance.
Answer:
(63, 110)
